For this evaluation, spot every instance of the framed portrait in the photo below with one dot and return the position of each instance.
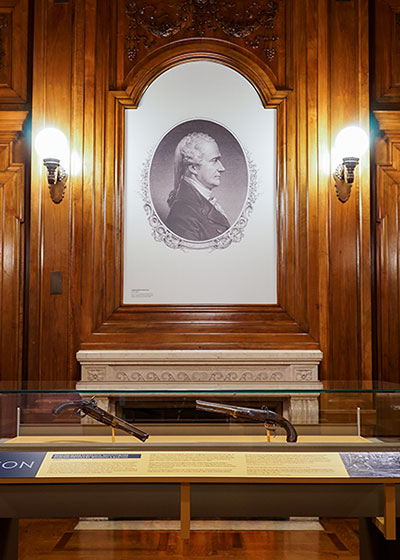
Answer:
(200, 224)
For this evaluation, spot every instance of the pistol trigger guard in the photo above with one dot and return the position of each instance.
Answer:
(270, 427)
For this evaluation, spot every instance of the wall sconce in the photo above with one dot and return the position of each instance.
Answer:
(350, 145)
(52, 147)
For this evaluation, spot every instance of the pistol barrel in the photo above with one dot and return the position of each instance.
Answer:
(215, 407)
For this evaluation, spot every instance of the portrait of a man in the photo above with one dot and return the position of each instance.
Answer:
(195, 213)
(198, 182)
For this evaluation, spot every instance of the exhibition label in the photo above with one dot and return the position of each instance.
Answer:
(194, 464)
(197, 464)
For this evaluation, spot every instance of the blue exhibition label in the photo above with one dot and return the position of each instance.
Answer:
(20, 464)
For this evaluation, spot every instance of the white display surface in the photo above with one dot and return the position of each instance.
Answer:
(238, 266)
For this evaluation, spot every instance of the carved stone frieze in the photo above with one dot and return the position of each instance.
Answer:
(239, 369)
(190, 375)
(253, 21)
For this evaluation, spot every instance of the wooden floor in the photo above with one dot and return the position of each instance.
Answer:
(56, 539)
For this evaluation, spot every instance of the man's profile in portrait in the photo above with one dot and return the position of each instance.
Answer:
(194, 213)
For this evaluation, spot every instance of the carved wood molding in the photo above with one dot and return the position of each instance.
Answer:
(389, 121)
(387, 244)
(258, 28)
(11, 123)
(214, 50)
(255, 22)
(135, 326)
(12, 183)
(388, 147)
(192, 327)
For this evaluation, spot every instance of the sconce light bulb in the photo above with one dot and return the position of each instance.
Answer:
(351, 141)
(51, 143)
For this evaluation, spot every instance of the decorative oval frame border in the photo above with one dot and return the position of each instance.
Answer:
(234, 234)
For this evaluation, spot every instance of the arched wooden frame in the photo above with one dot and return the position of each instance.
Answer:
(201, 326)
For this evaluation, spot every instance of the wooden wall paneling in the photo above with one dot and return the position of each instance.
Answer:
(100, 191)
(12, 186)
(345, 283)
(85, 221)
(75, 184)
(315, 50)
(387, 267)
(50, 232)
(388, 246)
(35, 235)
(113, 181)
(282, 200)
(324, 185)
(349, 288)
(298, 181)
(13, 51)
(365, 262)
(386, 78)
(344, 320)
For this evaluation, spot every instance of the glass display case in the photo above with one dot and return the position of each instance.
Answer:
(363, 419)
(162, 454)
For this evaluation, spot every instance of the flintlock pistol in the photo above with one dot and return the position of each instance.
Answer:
(90, 408)
(270, 419)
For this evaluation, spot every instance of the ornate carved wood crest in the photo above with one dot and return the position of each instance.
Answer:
(255, 25)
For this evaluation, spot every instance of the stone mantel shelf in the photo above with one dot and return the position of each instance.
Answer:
(204, 356)
(208, 370)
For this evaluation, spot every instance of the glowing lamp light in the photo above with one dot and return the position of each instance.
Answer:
(52, 147)
(350, 144)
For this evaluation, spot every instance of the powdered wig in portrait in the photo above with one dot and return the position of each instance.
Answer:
(188, 152)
